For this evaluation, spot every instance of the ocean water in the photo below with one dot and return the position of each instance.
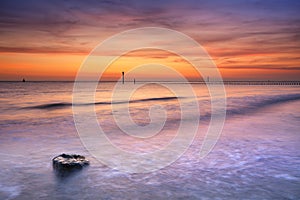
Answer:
(256, 157)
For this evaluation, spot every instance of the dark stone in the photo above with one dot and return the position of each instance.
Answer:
(65, 162)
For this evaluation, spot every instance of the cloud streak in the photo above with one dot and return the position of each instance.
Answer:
(234, 32)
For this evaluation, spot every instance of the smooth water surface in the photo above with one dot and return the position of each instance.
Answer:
(256, 157)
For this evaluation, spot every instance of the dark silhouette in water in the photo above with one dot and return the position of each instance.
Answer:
(67, 104)
(134, 81)
(64, 165)
(122, 77)
(23, 80)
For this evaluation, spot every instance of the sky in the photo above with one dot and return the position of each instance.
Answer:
(247, 39)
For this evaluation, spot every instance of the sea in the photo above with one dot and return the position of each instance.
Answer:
(256, 155)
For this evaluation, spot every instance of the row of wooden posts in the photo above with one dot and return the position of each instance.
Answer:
(239, 82)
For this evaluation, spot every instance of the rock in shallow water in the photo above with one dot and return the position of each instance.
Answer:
(69, 162)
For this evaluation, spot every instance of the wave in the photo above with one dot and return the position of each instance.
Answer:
(50, 105)
(253, 103)
(64, 104)
(250, 104)
(240, 105)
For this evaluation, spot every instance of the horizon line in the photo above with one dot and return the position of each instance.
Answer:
(159, 81)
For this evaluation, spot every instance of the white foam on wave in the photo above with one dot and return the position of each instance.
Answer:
(286, 176)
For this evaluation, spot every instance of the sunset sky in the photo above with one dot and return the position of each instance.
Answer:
(247, 39)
